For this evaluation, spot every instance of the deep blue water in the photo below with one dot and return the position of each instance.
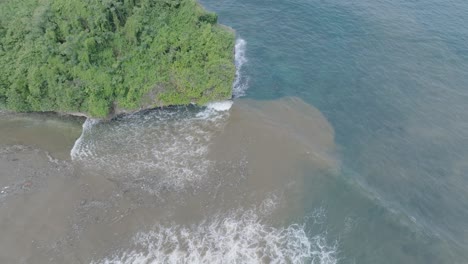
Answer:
(392, 79)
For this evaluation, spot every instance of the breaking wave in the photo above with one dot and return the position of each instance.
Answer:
(220, 106)
(239, 237)
(162, 148)
(240, 83)
(78, 149)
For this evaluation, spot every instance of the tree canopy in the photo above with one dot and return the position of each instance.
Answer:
(93, 56)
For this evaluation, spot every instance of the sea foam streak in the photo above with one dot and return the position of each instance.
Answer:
(239, 237)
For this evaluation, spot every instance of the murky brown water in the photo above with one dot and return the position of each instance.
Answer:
(184, 187)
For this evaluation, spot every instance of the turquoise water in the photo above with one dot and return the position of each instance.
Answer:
(391, 77)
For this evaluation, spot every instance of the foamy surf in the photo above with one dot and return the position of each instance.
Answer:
(238, 237)
(215, 110)
(163, 148)
(220, 106)
(77, 151)
(240, 83)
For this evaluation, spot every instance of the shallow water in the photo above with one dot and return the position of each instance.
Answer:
(180, 185)
(390, 77)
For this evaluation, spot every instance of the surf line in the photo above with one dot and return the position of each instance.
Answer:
(240, 83)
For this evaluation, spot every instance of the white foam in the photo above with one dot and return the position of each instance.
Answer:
(220, 106)
(75, 151)
(240, 82)
(161, 149)
(239, 237)
(269, 204)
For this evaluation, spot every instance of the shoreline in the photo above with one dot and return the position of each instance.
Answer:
(114, 114)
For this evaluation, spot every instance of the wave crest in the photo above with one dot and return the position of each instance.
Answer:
(235, 238)
(155, 150)
(240, 83)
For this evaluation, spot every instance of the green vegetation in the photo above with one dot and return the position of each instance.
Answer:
(93, 56)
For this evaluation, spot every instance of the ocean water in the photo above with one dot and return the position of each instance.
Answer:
(346, 142)
(391, 78)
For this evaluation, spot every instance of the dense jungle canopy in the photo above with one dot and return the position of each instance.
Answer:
(96, 56)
